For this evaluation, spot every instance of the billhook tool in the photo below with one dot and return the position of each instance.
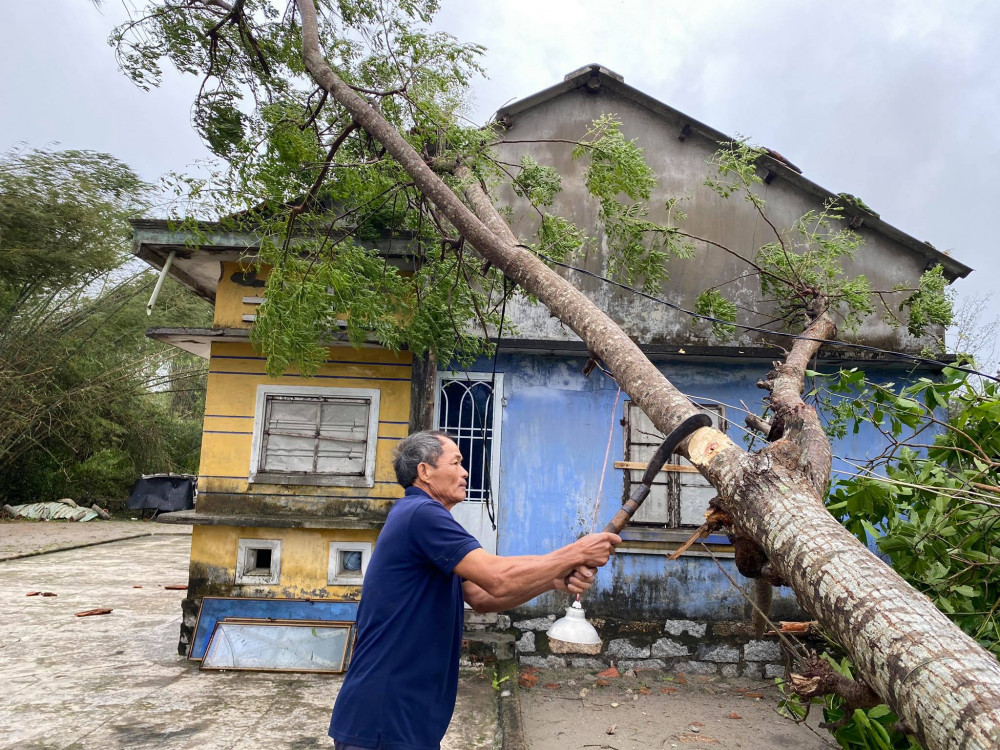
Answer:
(680, 432)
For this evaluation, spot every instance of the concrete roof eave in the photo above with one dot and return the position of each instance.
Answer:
(199, 254)
(198, 341)
(596, 76)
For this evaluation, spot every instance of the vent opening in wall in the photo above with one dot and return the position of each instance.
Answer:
(258, 561)
(348, 562)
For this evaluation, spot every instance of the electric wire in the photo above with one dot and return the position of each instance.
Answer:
(758, 329)
(973, 496)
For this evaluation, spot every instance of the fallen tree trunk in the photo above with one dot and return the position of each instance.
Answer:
(943, 686)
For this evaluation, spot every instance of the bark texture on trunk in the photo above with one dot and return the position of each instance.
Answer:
(423, 382)
(935, 677)
(943, 686)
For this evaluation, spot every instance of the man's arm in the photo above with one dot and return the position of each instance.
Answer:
(518, 579)
(482, 601)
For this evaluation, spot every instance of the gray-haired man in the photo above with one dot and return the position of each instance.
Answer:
(399, 692)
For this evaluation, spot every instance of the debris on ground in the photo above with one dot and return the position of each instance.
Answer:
(172, 587)
(65, 509)
(795, 627)
(527, 679)
(656, 713)
(98, 611)
(40, 593)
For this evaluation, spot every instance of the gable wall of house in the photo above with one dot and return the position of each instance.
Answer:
(682, 167)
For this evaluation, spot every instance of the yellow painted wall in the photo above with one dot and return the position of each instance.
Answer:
(229, 306)
(305, 555)
(235, 371)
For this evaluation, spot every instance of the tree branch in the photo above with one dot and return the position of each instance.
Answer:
(804, 444)
(818, 678)
(661, 401)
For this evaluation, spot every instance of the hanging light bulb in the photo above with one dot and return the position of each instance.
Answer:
(572, 634)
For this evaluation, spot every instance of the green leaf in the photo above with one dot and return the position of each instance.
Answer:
(871, 529)
(879, 711)
(711, 303)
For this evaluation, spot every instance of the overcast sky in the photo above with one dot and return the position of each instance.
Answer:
(895, 102)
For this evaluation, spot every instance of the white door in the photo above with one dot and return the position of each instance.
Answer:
(469, 409)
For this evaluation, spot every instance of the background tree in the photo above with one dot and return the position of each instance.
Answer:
(365, 144)
(87, 401)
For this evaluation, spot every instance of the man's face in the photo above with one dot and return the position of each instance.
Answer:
(446, 481)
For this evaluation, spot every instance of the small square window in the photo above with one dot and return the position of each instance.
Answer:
(348, 563)
(258, 562)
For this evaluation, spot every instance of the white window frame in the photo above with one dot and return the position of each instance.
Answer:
(245, 576)
(330, 480)
(335, 575)
(498, 399)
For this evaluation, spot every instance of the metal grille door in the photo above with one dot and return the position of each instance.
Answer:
(465, 411)
(469, 409)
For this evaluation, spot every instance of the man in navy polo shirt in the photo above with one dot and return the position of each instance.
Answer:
(399, 692)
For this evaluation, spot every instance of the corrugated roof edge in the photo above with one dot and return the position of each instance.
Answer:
(595, 76)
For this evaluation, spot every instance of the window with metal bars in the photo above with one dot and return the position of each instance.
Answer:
(465, 410)
(311, 435)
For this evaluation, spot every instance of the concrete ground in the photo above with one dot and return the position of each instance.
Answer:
(115, 681)
(656, 709)
(27, 538)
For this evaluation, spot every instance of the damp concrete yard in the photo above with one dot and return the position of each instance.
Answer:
(656, 709)
(116, 681)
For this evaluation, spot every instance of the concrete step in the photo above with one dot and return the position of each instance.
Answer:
(483, 647)
(489, 621)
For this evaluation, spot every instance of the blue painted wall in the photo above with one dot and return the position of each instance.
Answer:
(554, 435)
